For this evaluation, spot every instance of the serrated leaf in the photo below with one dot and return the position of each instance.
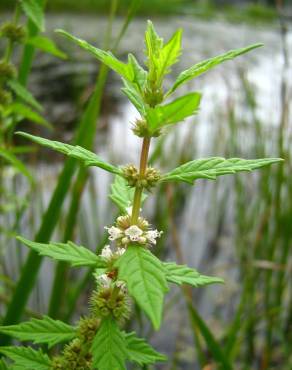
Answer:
(182, 274)
(38, 331)
(47, 45)
(133, 95)
(24, 94)
(174, 112)
(69, 252)
(109, 348)
(122, 195)
(145, 279)
(17, 164)
(86, 156)
(170, 53)
(211, 168)
(24, 112)
(105, 57)
(34, 11)
(139, 74)
(154, 44)
(205, 65)
(27, 358)
(161, 57)
(141, 352)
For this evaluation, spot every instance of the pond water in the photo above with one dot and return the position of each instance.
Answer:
(205, 224)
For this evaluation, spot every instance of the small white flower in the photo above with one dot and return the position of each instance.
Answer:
(114, 232)
(120, 284)
(120, 252)
(134, 233)
(152, 235)
(107, 252)
(104, 280)
(129, 210)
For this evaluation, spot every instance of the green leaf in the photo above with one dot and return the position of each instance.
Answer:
(109, 348)
(122, 195)
(89, 158)
(205, 65)
(34, 12)
(211, 168)
(105, 57)
(145, 278)
(154, 45)
(174, 112)
(24, 112)
(26, 358)
(69, 252)
(139, 74)
(170, 53)
(45, 330)
(141, 352)
(161, 57)
(24, 94)
(47, 45)
(133, 95)
(181, 274)
(17, 164)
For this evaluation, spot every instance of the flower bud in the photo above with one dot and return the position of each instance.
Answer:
(13, 32)
(7, 71)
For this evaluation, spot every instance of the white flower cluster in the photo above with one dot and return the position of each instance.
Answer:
(133, 234)
(103, 279)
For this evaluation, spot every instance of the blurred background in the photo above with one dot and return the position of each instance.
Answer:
(238, 228)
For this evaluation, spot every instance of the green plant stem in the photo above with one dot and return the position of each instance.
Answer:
(139, 189)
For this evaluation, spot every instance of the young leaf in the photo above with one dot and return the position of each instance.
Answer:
(122, 195)
(145, 278)
(211, 168)
(47, 45)
(89, 158)
(109, 348)
(133, 95)
(34, 12)
(24, 112)
(205, 65)
(69, 252)
(139, 74)
(181, 274)
(26, 358)
(141, 352)
(174, 112)
(105, 57)
(170, 53)
(153, 42)
(45, 330)
(24, 94)
(17, 164)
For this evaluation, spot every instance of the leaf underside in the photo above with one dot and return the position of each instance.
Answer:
(211, 168)
(75, 151)
(141, 352)
(68, 252)
(38, 331)
(182, 274)
(26, 358)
